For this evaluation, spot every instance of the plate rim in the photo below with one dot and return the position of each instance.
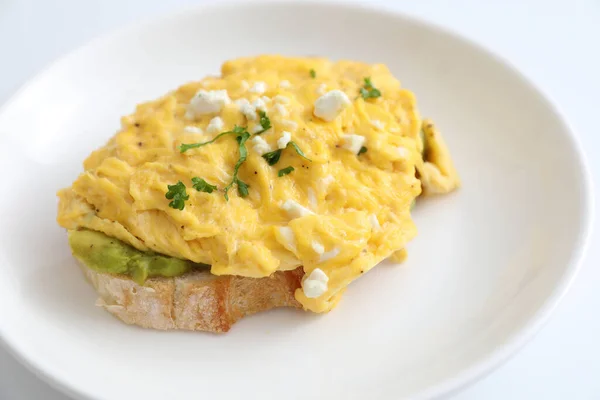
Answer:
(497, 357)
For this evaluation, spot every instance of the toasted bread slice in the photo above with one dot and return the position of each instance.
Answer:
(197, 300)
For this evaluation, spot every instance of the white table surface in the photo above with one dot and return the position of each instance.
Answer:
(555, 43)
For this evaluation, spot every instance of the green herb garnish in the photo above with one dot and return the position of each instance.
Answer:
(236, 131)
(177, 195)
(362, 150)
(265, 122)
(272, 157)
(425, 146)
(300, 152)
(285, 171)
(313, 73)
(368, 91)
(202, 186)
(242, 187)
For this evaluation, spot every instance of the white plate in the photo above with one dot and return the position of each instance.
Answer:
(489, 265)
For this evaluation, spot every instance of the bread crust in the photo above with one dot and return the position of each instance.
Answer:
(197, 300)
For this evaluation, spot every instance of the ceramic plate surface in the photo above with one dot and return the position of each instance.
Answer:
(488, 266)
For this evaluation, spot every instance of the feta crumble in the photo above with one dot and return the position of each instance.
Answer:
(258, 87)
(286, 137)
(353, 142)
(330, 105)
(215, 125)
(192, 129)
(246, 108)
(260, 145)
(315, 284)
(207, 102)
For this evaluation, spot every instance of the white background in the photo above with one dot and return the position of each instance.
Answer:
(554, 43)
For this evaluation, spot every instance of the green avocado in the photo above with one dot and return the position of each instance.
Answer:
(105, 254)
(424, 145)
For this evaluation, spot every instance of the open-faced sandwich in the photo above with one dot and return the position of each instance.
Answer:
(275, 184)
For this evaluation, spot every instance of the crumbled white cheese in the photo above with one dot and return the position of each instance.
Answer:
(207, 102)
(285, 84)
(286, 137)
(289, 124)
(329, 255)
(318, 247)
(280, 109)
(322, 89)
(260, 145)
(256, 128)
(245, 85)
(312, 198)
(241, 102)
(258, 87)
(192, 129)
(259, 104)
(378, 124)
(403, 152)
(331, 104)
(266, 99)
(353, 142)
(294, 209)
(374, 222)
(215, 125)
(246, 108)
(288, 236)
(281, 99)
(315, 284)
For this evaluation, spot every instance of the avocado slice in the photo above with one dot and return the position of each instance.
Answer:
(105, 254)
(424, 145)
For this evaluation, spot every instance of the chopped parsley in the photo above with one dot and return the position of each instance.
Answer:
(177, 192)
(313, 73)
(237, 130)
(368, 91)
(285, 171)
(362, 150)
(264, 121)
(177, 195)
(298, 150)
(242, 187)
(273, 157)
(202, 186)
(241, 136)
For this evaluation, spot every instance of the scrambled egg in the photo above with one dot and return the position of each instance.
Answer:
(343, 208)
